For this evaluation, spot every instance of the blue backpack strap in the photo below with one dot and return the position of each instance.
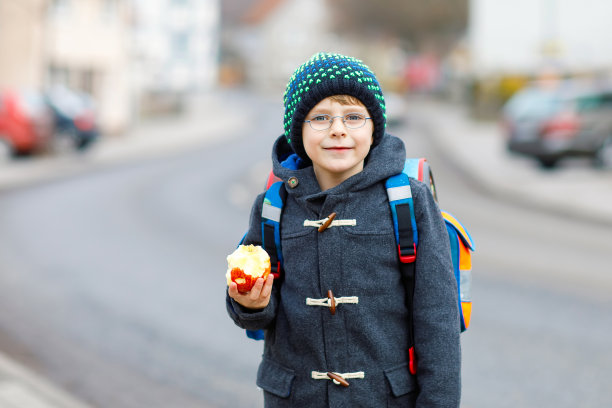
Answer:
(406, 237)
(402, 205)
(402, 211)
(271, 212)
(270, 225)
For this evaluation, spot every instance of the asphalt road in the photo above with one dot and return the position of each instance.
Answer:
(112, 284)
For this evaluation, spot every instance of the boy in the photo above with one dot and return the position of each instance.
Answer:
(334, 158)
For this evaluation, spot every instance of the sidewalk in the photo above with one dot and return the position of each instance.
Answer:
(21, 388)
(575, 189)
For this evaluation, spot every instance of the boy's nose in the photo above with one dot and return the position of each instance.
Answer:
(338, 125)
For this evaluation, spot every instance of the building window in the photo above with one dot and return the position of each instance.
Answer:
(110, 10)
(180, 45)
(60, 7)
(84, 80)
(58, 75)
(87, 81)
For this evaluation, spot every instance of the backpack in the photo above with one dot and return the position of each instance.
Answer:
(406, 236)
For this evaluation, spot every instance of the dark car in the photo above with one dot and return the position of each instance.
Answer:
(76, 126)
(569, 119)
(26, 124)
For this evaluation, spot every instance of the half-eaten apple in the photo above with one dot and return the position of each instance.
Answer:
(245, 265)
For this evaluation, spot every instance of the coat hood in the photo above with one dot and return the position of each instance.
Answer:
(384, 160)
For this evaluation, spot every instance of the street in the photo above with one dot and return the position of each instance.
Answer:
(112, 282)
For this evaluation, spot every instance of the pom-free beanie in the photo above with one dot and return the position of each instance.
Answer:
(325, 75)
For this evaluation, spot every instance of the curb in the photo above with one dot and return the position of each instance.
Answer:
(20, 387)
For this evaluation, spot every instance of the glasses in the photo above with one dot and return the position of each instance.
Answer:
(350, 120)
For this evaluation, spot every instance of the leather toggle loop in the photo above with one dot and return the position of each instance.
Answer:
(332, 302)
(338, 379)
(327, 223)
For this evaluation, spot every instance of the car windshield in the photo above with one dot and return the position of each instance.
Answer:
(533, 104)
(68, 102)
(32, 102)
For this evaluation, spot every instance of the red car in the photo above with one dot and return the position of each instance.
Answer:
(26, 123)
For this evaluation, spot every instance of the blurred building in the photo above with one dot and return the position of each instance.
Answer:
(176, 48)
(128, 54)
(21, 45)
(80, 44)
(270, 38)
(85, 48)
(264, 41)
(524, 36)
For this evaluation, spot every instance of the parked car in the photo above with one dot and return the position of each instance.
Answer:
(549, 123)
(76, 126)
(26, 123)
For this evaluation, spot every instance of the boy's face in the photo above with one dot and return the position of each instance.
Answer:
(339, 152)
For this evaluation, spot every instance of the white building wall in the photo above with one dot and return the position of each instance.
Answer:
(287, 37)
(525, 35)
(86, 48)
(21, 39)
(177, 44)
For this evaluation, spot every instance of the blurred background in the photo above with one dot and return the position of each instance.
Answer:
(134, 136)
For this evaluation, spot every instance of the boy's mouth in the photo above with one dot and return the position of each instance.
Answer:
(337, 148)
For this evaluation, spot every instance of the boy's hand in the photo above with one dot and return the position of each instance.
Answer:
(257, 298)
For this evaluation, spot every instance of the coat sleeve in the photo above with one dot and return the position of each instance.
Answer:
(436, 311)
(243, 317)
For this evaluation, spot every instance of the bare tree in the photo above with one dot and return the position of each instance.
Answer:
(423, 23)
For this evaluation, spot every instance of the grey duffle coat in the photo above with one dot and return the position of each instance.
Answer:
(367, 337)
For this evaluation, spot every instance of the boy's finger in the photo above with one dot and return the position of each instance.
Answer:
(233, 290)
(256, 289)
(267, 288)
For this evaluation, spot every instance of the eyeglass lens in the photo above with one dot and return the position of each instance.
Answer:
(351, 121)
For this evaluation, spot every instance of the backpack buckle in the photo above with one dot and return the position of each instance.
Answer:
(407, 255)
(275, 270)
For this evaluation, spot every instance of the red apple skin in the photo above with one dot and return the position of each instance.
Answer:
(245, 282)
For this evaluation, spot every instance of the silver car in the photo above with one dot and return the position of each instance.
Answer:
(549, 123)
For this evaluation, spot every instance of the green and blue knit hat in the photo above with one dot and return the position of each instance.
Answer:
(325, 75)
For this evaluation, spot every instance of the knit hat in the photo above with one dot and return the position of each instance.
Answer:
(325, 75)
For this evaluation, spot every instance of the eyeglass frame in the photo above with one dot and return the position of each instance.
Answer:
(331, 121)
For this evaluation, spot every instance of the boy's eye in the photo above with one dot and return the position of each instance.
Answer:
(320, 118)
(354, 116)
